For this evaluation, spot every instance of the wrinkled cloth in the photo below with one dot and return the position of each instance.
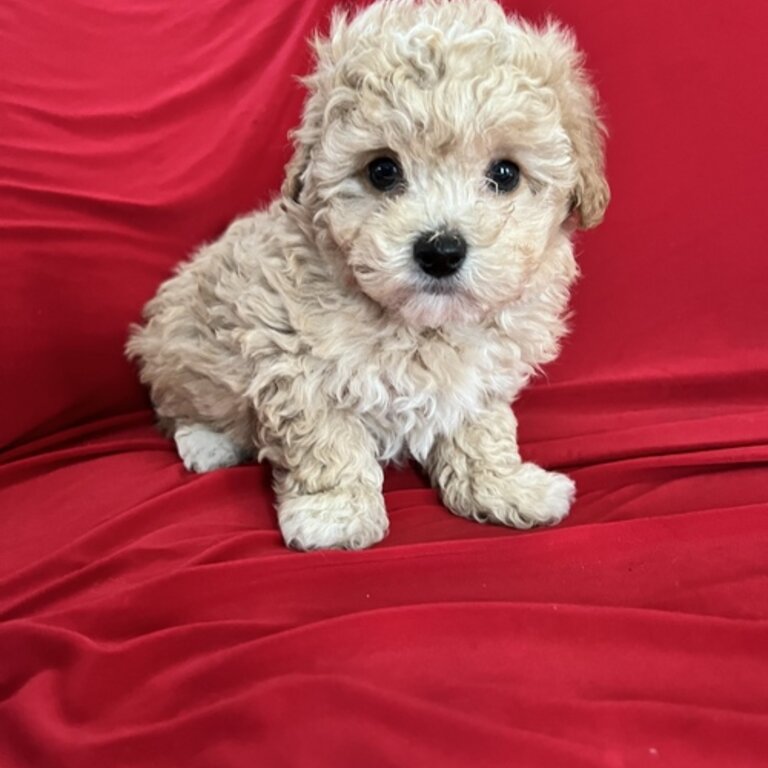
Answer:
(151, 617)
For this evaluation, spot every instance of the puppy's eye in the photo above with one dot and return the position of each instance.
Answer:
(385, 174)
(504, 175)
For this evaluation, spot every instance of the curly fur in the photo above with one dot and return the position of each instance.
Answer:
(306, 334)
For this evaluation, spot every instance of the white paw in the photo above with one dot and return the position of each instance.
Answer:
(203, 450)
(521, 497)
(338, 519)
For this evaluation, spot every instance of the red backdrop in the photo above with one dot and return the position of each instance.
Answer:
(153, 618)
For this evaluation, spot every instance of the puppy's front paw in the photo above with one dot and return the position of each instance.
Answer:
(521, 496)
(338, 519)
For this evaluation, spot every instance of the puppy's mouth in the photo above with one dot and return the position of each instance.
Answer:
(440, 287)
(423, 300)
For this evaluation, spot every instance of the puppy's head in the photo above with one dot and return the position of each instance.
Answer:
(443, 148)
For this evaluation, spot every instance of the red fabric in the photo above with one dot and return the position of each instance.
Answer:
(150, 617)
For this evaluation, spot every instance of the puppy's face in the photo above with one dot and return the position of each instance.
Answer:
(443, 149)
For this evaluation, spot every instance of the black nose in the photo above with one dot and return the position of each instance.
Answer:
(440, 254)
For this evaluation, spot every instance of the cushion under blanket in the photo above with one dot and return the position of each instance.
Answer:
(153, 618)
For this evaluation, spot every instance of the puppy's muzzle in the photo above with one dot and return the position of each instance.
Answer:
(440, 254)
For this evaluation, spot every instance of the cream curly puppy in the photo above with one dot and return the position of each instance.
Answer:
(402, 290)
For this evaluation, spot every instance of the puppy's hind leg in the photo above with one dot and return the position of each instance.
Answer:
(203, 450)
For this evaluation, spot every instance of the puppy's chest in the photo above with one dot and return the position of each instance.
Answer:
(408, 396)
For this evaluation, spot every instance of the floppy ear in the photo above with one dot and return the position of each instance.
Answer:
(319, 84)
(295, 169)
(581, 120)
(304, 138)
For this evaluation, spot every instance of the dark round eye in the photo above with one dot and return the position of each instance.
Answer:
(385, 174)
(504, 175)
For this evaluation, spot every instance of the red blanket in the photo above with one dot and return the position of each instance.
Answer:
(149, 617)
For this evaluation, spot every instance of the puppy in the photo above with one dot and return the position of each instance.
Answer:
(406, 284)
